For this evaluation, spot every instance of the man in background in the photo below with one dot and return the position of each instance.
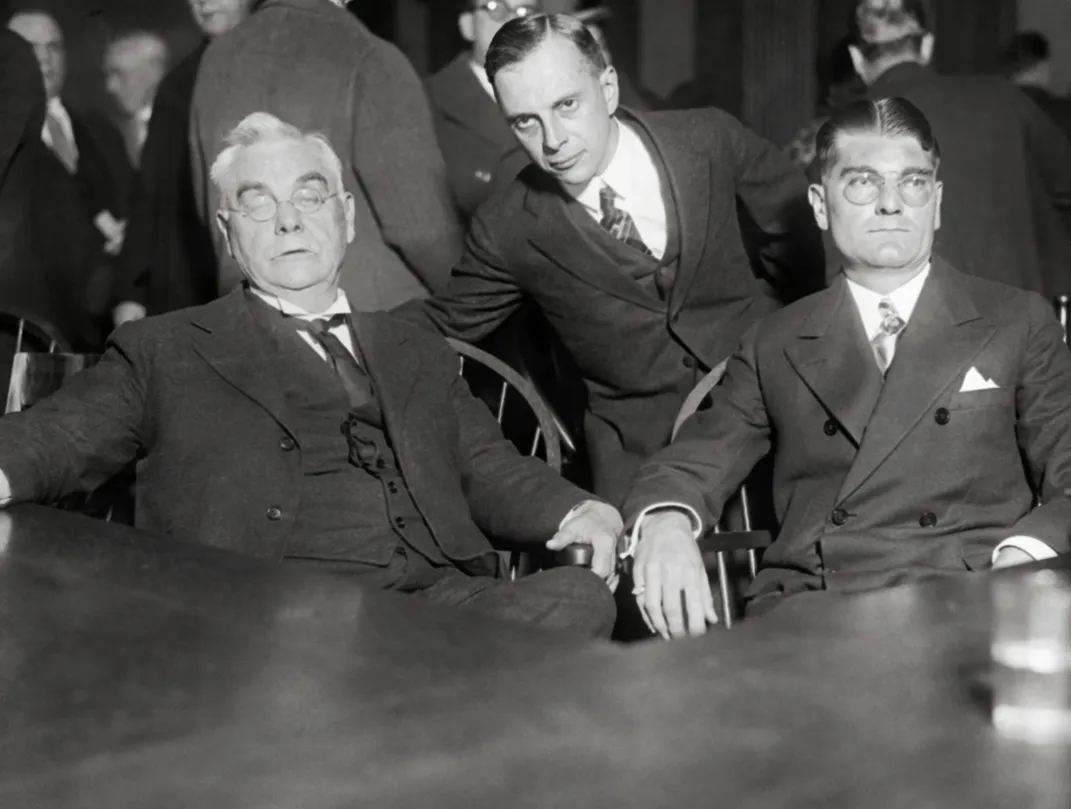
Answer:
(81, 192)
(168, 260)
(316, 65)
(1027, 62)
(134, 64)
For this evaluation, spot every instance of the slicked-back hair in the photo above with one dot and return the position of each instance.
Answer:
(888, 117)
(261, 127)
(887, 28)
(520, 36)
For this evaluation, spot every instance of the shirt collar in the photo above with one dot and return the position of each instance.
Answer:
(481, 77)
(618, 172)
(903, 298)
(341, 306)
(143, 115)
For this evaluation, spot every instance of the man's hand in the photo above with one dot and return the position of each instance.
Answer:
(1009, 557)
(596, 524)
(672, 588)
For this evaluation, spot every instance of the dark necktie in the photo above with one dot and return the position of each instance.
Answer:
(884, 342)
(354, 379)
(619, 222)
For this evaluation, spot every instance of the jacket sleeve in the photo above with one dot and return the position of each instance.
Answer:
(481, 296)
(510, 495)
(398, 162)
(715, 449)
(77, 438)
(776, 219)
(1043, 402)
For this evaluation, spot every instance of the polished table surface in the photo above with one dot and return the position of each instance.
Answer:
(137, 672)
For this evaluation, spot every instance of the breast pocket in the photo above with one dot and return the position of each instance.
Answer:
(976, 399)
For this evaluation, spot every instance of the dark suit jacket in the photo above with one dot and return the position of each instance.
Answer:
(873, 483)
(22, 114)
(639, 355)
(195, 394)
(1006, 168)
(168, 260)
(481, 152)
(317, 67)
(1056, 107)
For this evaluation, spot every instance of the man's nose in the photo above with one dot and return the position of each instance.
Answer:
(287, 218)
(554, 136)
(889, 201)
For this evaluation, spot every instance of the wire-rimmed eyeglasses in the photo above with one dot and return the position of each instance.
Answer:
(864, 187)
(261, 206)
(500, 12)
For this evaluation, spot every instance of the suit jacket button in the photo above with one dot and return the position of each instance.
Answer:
(942, 416)
(392, 487)
(400, 522)
(830, 427)
(287, 444)
(274, 513)
(928, 520)
(689, 362)
(483, 176)
(839, 516)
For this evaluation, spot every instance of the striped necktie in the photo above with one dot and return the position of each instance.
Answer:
(620, 224)
(884, 342)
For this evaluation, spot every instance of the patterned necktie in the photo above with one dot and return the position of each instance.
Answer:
(354, 379)
(619, 222)
(884, 342)
(62, 146)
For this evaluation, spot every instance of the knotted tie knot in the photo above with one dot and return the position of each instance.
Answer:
(891, 322)
(324, 324)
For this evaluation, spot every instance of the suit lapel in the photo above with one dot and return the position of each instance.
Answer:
(545, 202)
(944, 335)
(686, 197)
(225, 336)
(394, 371)
(833, 357)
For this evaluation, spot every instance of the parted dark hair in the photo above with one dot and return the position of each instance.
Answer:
(893, 117)
(519, 37)
(883, 28)
(1025, 50)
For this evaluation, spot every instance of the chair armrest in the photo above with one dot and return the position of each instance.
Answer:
(729, 541)
(575, 555)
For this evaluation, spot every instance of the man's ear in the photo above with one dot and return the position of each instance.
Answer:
(222, 224)
(816, 195)
(938, 190)
(466, 24)
(611, 91)
(926, 49)
(350, 210)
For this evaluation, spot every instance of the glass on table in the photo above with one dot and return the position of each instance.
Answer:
(1031, 655)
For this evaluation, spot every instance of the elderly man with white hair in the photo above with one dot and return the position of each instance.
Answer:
(278, 422)
(134, 65)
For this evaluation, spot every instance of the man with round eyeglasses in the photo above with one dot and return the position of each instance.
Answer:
(914, 413)
(280, 423)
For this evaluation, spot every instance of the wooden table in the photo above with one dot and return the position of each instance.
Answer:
(136, 672)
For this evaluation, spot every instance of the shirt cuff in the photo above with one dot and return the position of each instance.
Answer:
(1031, 546)
(634, 536)
(126, 311)
(574, 510)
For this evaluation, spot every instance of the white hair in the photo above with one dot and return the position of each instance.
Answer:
(147, 47)
(263, 127)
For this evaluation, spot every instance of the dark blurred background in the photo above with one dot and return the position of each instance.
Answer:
(762, 60)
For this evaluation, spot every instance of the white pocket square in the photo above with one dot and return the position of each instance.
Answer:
(975, 381)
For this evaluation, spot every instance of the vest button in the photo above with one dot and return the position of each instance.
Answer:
(830, 427)
(287, 444)
(942, 416)
(839, 516)
(928, 520)
(380, 463)
(392, 487)
(274, 513)
(400, 522)
(689, 362)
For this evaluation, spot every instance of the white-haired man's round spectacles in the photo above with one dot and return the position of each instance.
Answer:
(261, 206)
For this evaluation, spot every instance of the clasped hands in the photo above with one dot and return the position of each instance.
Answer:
(672, 589)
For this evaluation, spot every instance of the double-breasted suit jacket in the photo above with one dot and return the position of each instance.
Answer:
(880, 481)
(195, 394)
(640, 354)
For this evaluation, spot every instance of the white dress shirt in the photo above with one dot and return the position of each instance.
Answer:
(481, 77)
(59, 114)
(341, 306)
(904, 298)
(633, 177)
